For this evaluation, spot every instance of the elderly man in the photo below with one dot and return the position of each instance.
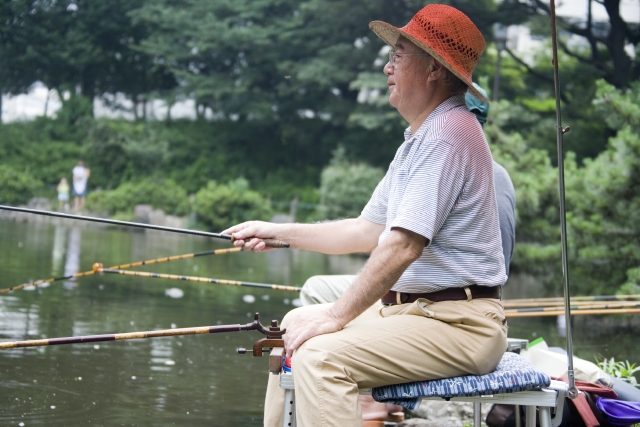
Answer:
(326, 289)
(427, 304)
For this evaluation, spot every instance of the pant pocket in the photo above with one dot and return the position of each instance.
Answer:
(498, 318)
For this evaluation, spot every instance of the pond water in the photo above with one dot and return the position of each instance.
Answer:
(183, 381)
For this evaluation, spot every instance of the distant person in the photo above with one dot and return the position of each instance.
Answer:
(80, 178)
(63, 194)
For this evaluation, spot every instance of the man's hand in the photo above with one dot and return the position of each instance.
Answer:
(247, 234)
(308, 325)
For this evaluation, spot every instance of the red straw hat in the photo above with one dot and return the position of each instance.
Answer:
(444, 33)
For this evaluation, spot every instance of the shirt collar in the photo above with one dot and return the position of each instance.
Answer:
(446, 105)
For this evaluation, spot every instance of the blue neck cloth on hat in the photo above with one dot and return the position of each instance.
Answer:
(477, 107)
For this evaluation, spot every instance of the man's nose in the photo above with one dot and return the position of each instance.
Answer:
(388, 69)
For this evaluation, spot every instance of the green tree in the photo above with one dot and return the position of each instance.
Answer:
(346, 187)
(607, 41)
(537, 249)
(119, 151)
(287, 66)
(219, 206)
(16, 187)
(73, 44)
(601, 51)
(605, 199)
(160, 193)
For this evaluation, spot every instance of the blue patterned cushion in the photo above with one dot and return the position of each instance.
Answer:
(514, 373)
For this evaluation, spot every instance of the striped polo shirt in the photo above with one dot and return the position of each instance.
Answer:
(440, 185)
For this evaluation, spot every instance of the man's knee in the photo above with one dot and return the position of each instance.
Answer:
(325, 289)
(310, 290)
(296, 311)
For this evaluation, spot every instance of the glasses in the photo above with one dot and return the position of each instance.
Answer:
(393, 56)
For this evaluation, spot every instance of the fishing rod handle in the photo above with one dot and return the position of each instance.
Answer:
(270, 243)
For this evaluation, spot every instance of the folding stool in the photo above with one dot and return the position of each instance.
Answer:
(514, 382)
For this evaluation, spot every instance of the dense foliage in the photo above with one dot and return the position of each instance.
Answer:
(345, 188)
(603, 201)
(605, 215)
(219, 206)
(16, 187)
(160, 193)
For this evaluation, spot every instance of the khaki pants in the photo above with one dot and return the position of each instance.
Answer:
(325, 289)
(387, 345)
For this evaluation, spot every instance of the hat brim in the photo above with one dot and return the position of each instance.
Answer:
(390, 35)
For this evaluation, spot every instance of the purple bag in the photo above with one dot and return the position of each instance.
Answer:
(620, 412)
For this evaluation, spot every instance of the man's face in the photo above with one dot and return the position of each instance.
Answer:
(407, 79)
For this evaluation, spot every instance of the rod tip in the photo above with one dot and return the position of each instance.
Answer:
(97, 267)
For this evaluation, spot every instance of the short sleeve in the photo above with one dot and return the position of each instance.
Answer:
(434, 182)
(376, 209)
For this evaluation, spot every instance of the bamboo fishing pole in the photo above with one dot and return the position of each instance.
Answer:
(122, 267)
(199, 279)
(272, 333)
(588, 306)
(513, 314)
(272, 243)
(509, 305)
(573, 298)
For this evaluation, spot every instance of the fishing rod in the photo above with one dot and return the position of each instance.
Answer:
(272, 243)
(572, 392)
(586, 306)
(517, 313)
(122, 267)
(274, 336)
(573, 303)
(199, 279)
(551, 300)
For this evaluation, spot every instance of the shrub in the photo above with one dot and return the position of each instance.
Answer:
(160, 193)
(219, 206)
(345, 188)
(622, 370)
(16, 187)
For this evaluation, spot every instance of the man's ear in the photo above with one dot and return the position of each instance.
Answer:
(437, 70)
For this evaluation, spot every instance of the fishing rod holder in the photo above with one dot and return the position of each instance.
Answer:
(274, 336)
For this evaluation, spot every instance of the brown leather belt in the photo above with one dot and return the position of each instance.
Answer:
(449, 294)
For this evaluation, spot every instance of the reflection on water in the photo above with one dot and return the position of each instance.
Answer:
(57, 255)
(72, 265)
(183, 381)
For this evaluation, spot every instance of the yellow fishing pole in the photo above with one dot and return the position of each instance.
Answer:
(536, 302)
(123, 266)
(98, 269)
(584, 305)
(518, 313)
